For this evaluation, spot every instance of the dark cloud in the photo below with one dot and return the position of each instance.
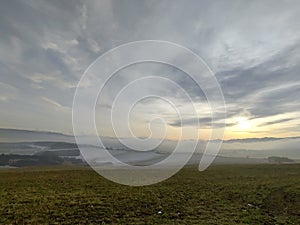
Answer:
(276, 122)
(203, 123)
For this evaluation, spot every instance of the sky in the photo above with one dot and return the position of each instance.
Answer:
(253, 48)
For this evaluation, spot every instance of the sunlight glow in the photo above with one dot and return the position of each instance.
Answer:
(243, 123)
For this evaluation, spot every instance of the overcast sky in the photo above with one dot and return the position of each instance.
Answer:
(253, 47)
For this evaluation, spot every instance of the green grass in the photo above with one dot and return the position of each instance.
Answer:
(253, 194)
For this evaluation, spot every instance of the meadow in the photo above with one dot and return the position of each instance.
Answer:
(223, 194)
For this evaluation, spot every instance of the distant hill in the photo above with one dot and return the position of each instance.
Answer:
(29, 160)
(29, 148)
(15, 135)
(14, 141)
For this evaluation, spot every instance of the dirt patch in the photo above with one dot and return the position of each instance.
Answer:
(281, 202)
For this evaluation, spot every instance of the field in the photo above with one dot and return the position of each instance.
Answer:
(241, 194)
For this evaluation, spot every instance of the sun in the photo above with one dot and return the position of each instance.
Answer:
(243, 123)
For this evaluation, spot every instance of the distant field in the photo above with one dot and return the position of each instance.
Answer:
(243, 194)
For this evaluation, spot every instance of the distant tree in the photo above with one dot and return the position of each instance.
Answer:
(279, 160)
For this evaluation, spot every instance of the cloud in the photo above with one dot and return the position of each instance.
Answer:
(253, 47)
(7, 92)
(39, 79)
(56, 105)
(276, 122)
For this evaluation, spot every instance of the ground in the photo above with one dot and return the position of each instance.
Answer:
(240, 194)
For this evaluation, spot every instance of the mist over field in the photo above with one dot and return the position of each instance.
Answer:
(246, 151)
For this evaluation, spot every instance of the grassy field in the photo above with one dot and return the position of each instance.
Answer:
(253, 194)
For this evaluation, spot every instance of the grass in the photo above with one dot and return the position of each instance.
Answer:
(247, 194)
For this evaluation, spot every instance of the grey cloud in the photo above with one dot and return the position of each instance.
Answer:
(264, 139)
(243, 86)
(201, 123)
(276, 122)
(252, 47)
